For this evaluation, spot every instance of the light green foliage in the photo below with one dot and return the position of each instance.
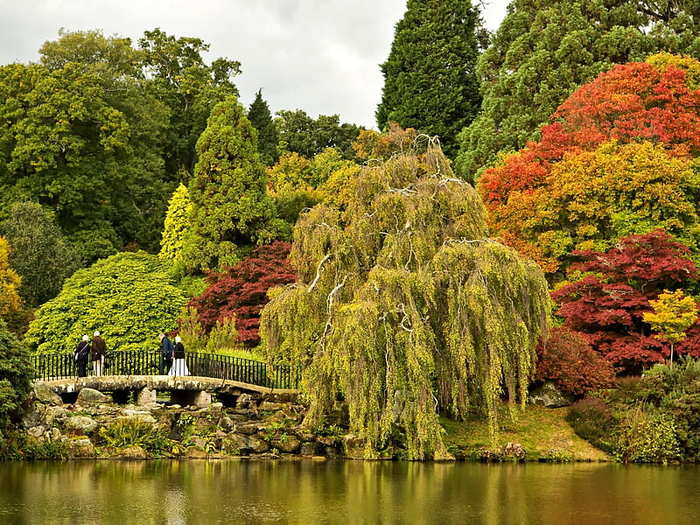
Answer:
(177, 226)
(646, 437)
(545, 49)
(130, 432)
(222, 338)
(40, 253)
(261, 119)
(404, 306)
(430, 81)
(129, 297)
(230, 208)
(15, 378)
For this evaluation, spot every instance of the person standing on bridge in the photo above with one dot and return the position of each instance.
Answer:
(99, 349)
(179, 364)
(166, 353)
(81, 355)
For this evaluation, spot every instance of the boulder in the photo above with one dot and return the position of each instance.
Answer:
(257, 445)
(202, 399)
(548, 395)
(36, 432)
(133, 452)
(55, 414)
(146, 396)
(235, 444)
(514, 451)
(45, 395)
(286, 443)
(246, 428)
(245, 401)
(311, 448)
(81, 448)
(272, 407)
(81, 424)
(90, 396)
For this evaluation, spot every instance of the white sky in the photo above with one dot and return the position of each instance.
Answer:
(322, 56)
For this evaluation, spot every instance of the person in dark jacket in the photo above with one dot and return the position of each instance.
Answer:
(99, 349)
(82, 355)
(166, 353)
(179, 364)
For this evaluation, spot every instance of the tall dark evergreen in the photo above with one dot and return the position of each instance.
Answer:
(430, 80)
(545, 49)
(261, 119)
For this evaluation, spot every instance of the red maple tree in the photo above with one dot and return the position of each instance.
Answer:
(242, 290)
(607, 305)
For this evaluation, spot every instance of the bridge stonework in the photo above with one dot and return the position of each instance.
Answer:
(186, 390)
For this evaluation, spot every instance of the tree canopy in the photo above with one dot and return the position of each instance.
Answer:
(545, 49)
(401, 306)
(302, 134)
(129, 297)
(430, 80)
(230, 208)
(619, 158)
(261, 119)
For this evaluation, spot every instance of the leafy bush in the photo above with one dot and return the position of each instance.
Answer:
(10, 302)
(15, 377)
(241, 291)
(223, 335)
(131, 432)
(40, 253)
(593, 420)
(569, 361)
(646, 437)
(130, 297)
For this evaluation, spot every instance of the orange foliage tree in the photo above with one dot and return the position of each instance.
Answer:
(618, 158)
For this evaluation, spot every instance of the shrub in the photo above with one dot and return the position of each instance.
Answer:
(131, 432)
(646, 437)
(592, 420)
(15, 377)
(565, 358)
(241, 291)
(130, 297)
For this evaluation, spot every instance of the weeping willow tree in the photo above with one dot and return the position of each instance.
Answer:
(405, 308)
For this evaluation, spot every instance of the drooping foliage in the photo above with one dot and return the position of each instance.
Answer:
(241, 291)
(371, 144)
(404, 307)
(40, 253)
(15, 379)
(607, 305)
(177, 226)
(230, 208)
(261, 119)
(302, 134)
(430, 80)
(129, 297)
(545, 49)
(565, 358)
(619, 158)
(10, 300)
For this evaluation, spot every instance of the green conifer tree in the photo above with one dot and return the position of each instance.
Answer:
(430, 80)
(230, 208)
(545, 49)
(261, 119)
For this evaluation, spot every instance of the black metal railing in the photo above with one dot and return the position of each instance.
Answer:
(143, 362)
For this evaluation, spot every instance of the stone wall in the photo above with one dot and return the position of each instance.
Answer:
(250, 425)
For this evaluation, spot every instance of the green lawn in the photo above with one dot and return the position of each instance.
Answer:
(542, 432)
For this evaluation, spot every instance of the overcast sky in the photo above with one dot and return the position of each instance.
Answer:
(322, 56)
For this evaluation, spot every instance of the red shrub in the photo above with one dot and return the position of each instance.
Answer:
(242, 290)
(569, 361)
(607, 306)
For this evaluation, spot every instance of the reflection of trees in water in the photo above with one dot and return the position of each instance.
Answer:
(171, 492)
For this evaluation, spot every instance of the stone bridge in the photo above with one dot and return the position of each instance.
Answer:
(144, 389)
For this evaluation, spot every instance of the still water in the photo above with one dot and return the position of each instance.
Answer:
(201, 492)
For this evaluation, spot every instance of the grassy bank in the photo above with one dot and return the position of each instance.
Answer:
(543, 434)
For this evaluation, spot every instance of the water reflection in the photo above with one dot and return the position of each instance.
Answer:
(345, 492)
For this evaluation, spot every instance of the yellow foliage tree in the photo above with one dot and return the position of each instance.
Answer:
(10, 301)
(674, 313)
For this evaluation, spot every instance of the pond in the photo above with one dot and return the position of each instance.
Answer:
(201, 492)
